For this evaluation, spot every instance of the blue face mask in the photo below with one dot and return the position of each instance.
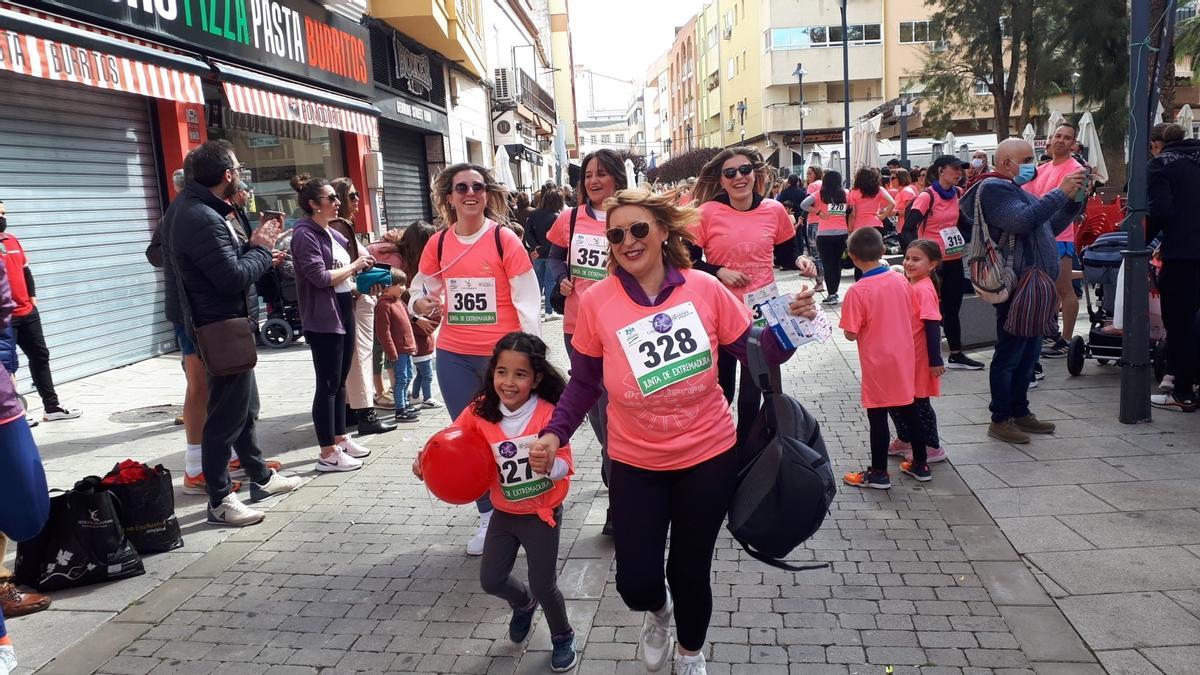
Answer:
(1026, 173)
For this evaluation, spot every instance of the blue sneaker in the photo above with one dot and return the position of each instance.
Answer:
(522, 620)
(564, 657)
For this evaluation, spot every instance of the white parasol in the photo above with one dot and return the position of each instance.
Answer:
(949, 144)
(1090, 138)
(1029, 134)
(630, 174)
(864, 146)
(501, 168)
(1185, 120)
(1054, 121)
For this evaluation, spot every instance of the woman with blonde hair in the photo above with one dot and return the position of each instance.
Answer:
(477, 273)
(651, 333)
(360, 382)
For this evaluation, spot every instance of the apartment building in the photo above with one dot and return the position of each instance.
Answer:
(709, 37)
(684, 89)
(743, 79)
(656, 104)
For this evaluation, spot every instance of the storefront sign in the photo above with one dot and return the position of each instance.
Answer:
(412, 67)
(52, 60)
(299, 38)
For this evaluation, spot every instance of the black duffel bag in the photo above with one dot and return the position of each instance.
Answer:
(82, 543)
(786, 483)
(146, 507)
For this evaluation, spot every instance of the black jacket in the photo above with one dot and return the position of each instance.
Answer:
(1173, 185)
(536, 229)
(217, 271)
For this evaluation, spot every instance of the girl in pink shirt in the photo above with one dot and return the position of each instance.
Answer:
(876, 309)
(652, 335)
(921, 259)
(869, 204)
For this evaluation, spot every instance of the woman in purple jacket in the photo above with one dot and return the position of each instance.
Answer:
(24, 499)
(324, 280)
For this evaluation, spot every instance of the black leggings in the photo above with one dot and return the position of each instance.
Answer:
(749, 396)
(507, 533)
(951, 302)
(831, 247)
(881, 434)
(928, 419)
(692, 503)
(332, 354)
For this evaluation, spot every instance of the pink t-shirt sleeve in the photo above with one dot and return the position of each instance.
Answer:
(516, 259)
(852, 317)
(586, 340)
(921, 202)
(733, 317)
(428, 264)
(784, 229)
(927, 301)
(560, 231)
(700, 227)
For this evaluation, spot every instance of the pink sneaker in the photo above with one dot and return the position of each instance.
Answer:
(899, 447)
(931, 455)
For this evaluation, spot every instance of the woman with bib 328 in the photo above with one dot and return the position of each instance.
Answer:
(736, 237)
(579, 258)
(934, 214)
(478, 274)
(651, 334)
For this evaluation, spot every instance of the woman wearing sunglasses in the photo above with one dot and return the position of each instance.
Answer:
(735, 240)
(325, 271)
(477, 274)
(579, 258)
(649, 334)
(359, 383)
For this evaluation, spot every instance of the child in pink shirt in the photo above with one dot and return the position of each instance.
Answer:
(876, 308)
(922, 257)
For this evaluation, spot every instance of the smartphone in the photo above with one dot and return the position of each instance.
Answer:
(1082, 195)
(383, 266)
(270, 215)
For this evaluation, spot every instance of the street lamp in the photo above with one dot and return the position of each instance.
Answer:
(846, 89)
(1074, 84)
(689, 136)
(741, 108)
(800, 73)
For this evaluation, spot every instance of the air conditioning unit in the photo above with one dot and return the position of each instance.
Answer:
(727, 33)
(506, 86)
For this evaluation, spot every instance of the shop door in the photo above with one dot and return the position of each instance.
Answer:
(405, 176)
(77, 166)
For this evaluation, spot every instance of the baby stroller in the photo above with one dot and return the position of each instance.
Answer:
(277, 288)
(1101, 265)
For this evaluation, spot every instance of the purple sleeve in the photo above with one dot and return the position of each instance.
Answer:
(7, 304)
(309, 263)
(583, 390)
(10, 404)
(776, 354)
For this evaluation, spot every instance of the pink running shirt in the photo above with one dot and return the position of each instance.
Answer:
(866, 207)
(744, 241)
(687, 421)
(927, 309)
(942, 224)
(585, 258)
(879, 308)
(1049, 177)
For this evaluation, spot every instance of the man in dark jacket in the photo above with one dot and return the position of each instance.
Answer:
(214, 272)
(1173, 186)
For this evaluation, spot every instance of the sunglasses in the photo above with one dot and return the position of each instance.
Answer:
(353, 195)
(331, 198)
(616, 235)
(745, 170)
(464, 188)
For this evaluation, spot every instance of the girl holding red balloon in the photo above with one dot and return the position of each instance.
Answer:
(651, 334)
(492, 447)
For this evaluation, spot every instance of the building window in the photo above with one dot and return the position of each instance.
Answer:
(981, 88)
(803, 37)
(604, 139)
(731, 70)
(916, 32)
(711, 38)
(619, 139)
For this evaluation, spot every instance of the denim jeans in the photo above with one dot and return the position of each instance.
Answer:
(422, 386)
(402, 371)
(1012, 370)
(541, 267)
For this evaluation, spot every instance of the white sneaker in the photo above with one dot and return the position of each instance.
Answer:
(475, 545)
(690, 665)
(1167, 384)
(384, 401)
(231, 511)
(60, 413)
(277, 484)
(431, 403)
(338, 461)
(8, 660)
(352, 448)
(657, 642)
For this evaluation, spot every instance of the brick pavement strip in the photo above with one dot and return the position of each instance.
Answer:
(365, 572)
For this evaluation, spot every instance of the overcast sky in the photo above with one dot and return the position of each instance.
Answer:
(622, 38)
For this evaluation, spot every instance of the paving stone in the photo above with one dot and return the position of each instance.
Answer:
(1125, 662)
(1033, 534)
(1059, 472)
(1162, 568)
(984, 542)
(1130, 620)
(1050, 500)
(1137, 528)
(1045, 635)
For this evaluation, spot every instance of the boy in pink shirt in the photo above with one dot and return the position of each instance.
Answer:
(876, 309)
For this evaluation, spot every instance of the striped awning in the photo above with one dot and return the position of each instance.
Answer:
(263, 103)
(53, 54)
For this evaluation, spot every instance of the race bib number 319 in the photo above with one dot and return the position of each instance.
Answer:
(472, 301)
(666, 348)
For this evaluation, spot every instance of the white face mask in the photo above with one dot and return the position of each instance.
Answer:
(977, 163)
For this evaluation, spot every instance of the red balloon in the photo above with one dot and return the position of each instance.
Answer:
(457, 465)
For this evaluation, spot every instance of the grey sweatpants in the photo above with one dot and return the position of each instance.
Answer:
(508, 532)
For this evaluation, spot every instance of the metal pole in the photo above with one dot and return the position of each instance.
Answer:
(1135, 345)
(800, 77)
(904, 134)
(846, 85)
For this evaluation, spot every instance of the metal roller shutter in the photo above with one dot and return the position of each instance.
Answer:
(79, 175)
(405, 176)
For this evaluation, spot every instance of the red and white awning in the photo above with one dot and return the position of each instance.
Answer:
(56, 60)
(264, 103)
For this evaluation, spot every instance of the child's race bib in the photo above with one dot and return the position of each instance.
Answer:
(518, 480)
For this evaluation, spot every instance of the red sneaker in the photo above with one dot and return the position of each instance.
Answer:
(236, 470)
(195, 485)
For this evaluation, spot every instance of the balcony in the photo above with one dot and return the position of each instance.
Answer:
(823, 64)
(451, 27)
(821, 115)
(535, 98)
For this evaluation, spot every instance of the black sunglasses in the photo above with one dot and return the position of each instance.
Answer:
(745, 170)
(331, 198)
(616, 235)
(352, 195)
(464, 188)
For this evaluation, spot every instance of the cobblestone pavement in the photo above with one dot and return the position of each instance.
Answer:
(365, 572)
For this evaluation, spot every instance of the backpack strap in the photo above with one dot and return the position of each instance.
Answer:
(499, 246)
(442, 242)
(765, 374)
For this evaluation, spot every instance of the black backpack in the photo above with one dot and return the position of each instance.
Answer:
(786, 482)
